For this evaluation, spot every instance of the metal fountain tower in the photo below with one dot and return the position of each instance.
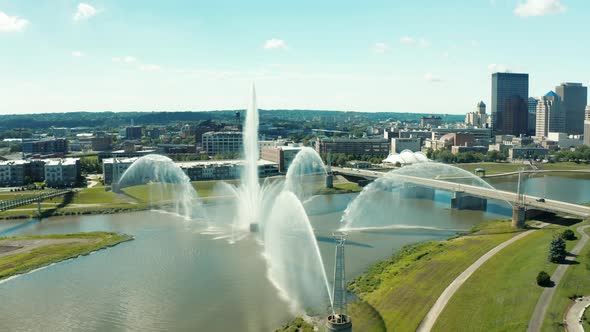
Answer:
(339, 320)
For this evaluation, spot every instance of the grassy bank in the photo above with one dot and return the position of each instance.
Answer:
(397, 293)
(82, 244)
(492, 168)
(95, 200)
(575, 281)
(499, 168)
(296, 325)
(503, 292)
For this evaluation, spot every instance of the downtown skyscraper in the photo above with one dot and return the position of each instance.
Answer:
(510, 93)
(574, 97)
(550, 115)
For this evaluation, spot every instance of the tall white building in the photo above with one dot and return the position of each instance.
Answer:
(477, 118)
(550, 115)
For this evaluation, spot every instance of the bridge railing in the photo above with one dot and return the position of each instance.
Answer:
(21, 201)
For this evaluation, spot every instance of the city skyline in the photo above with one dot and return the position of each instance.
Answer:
(374, 56)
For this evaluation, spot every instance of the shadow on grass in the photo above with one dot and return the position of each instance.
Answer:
(66, 200)
(551, 218)
(548, 284)
(365, 317)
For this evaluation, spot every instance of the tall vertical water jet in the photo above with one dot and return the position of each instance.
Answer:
(295, 264)
(248, 192)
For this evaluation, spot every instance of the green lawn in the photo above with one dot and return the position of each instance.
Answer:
(98, 195)
(501, 295)
(565, 166)
(575, 281)
(7, 195)
(42, 256)
(399, 292)
(492, 168)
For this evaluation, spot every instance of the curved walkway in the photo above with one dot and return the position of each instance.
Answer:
(437, 308)
(543, 303)
(574, 314)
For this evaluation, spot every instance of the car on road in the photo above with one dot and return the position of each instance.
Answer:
(540, 200)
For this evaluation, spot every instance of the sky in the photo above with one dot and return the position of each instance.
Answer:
(427, 56)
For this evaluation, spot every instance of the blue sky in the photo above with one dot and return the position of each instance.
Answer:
(427, 56)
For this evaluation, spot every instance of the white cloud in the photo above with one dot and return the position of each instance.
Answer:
(407, 40)
(149, 67)
(414, 42)
(539, 8)
(129, 59)
(12, 23)
(275, 44)
(445, 55)
(429, 77)
(495, 68)
(85, 11)
(380, 48)
(78, 54)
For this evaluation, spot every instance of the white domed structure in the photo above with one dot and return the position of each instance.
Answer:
(406, 157)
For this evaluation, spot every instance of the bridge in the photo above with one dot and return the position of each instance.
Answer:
(22, 201)
(474, 197)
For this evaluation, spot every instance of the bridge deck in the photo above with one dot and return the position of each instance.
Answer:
(487, 193)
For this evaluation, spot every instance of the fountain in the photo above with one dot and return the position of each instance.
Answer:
(295, 265)
(275, 209)
(167, 183)
(390, 200)
(304, 172)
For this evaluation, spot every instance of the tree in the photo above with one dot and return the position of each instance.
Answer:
(543, 279)
(557, 250)
(568, 235)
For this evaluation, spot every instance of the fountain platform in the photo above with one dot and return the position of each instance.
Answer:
(340, 323)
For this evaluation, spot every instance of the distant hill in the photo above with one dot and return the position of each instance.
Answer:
(116, 119)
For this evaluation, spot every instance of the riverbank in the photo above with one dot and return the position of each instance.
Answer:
(503, 292)
(396, 294)
(500, 168)
(23, 254)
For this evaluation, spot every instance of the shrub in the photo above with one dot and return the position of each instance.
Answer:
(572, 296)
(568, 235)
(543, 279)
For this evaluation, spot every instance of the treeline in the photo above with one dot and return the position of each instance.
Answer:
(115, 119)
(342, 159)
(447, 157)
(580, 153)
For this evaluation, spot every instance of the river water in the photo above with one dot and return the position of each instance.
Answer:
(175, 277)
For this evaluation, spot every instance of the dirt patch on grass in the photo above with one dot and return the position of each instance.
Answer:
(25, 245)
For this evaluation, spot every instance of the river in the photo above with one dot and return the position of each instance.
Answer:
(175, 277)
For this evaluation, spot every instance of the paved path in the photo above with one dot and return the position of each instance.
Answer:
(574, 313)
(543, 303)
(436, 309)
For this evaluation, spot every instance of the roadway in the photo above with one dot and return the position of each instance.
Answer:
(487, 193)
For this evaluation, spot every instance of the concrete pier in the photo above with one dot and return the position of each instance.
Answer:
(329, 181)
(462, 201)
(413, 191)
(518, 216)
